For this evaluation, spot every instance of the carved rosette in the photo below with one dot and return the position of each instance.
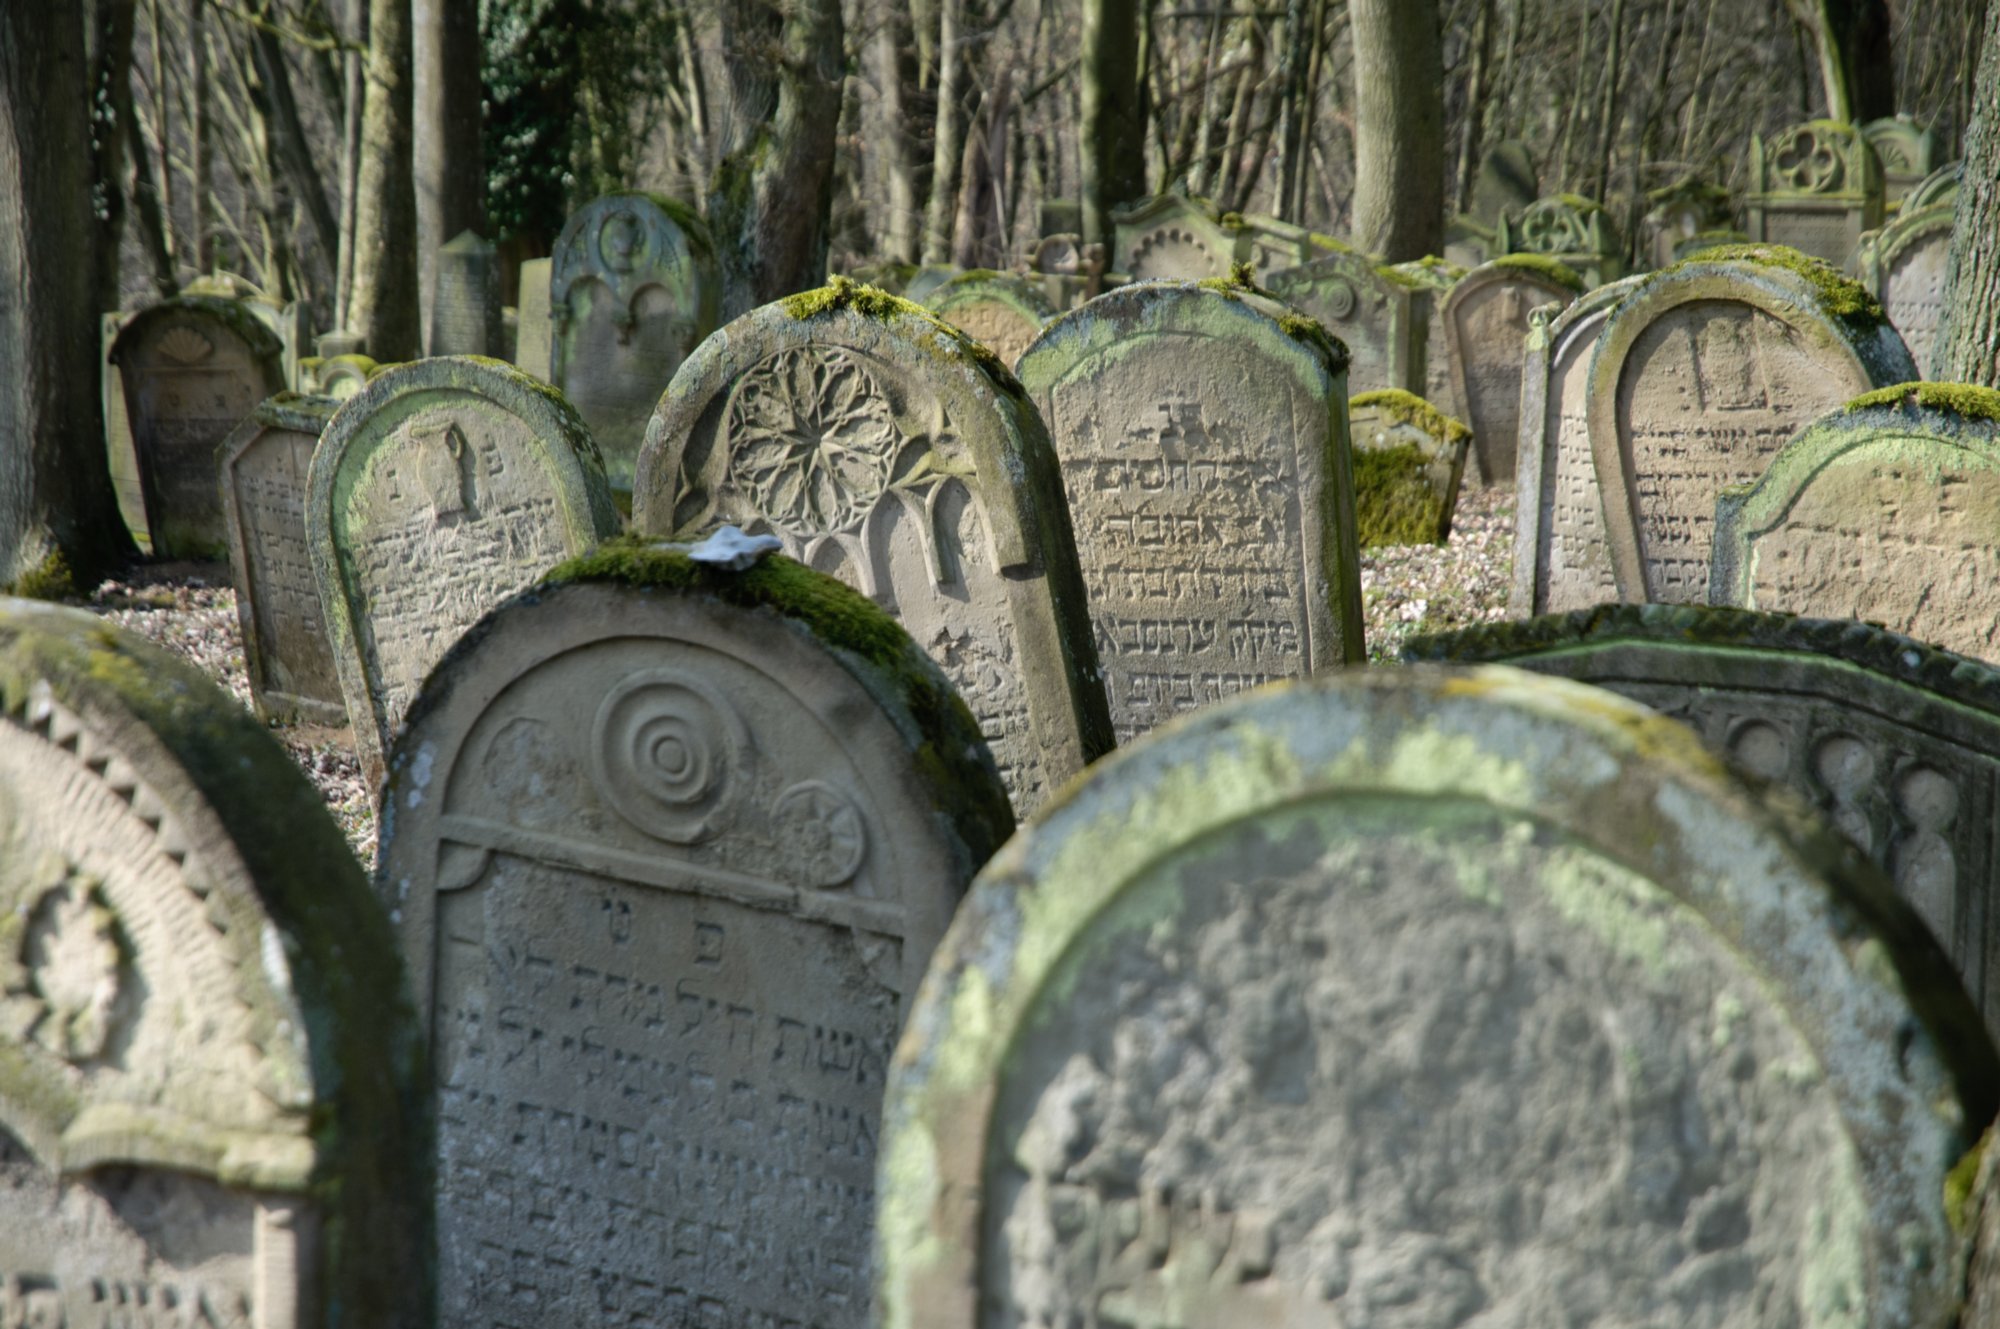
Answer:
(62, 981)
(1808, 161)
(1550, 226)
(822, 831)
(812, 438)
(665, 752)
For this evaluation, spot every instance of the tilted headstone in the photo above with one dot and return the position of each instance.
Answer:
(1486, 329)
(999, 310)
(465, 310)
(1894, 743)
(881, 446)
(1438, 277)
(671, 846)
(1571, 229)
(1172, 235)
(633, 290)
(534, 336)
(446, 486)
(1380, 313)
(1816, 187)
(1904, 151)
(1886, 509)
(1428, 997)
(1701, 375)
(341, 377)
(1680, 212)
(212, 1112)
(191, 368)
(1560, 559)
(1940, 186)
(290, 323)
(1203, 437)
(1904, 265)
(264, 465)
(1408, 460)
(121, 453)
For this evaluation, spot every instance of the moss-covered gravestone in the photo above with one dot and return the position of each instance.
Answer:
(1904, 152)
(1571, 229)
(882, 446)
(632, 291)
(1408, 460)
(264, 467)
(1560, 561)
(1174, 236)
(1380, 314)
(1437, 276)
(1904, 265)
(1000, 311)
(1886, 509)
(1203, 434)
(1485, 330)
(1894, 743)
(443, 488)
(1815, 187)
(1699, 377)
(192, 369)
(669, 846)
(209, 1077)
(1428, 997)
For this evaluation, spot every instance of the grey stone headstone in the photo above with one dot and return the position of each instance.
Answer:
(1381, 314)
(534, 339)
(1409, 458)
(1904, 151)
(1575, 231)
(1506, 183)
(465, 308)
(1904, 265)
(1174, 236)
(999, 310)
(1816, 187)
(1486, 329)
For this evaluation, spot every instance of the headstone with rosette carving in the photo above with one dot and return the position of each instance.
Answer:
(1380, 313)
(999, 310)
(1904, 151)
(192, 368)
(632, 291)
(1571, 229)
(1904, 265)
(1425, 997)
(1202, 429)
(1816, 187)
(879, 445)
(1486, 330)
(1172, 235)
(444, 487)
(670, 846)
(211, 1113)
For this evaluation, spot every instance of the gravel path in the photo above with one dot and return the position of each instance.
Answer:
(190, 609)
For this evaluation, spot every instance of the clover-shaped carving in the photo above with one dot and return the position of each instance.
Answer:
(1808, 161)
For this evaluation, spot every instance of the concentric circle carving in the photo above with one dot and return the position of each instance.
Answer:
(1336, 299)
(812, 436)
(665, 751)
(822, 831)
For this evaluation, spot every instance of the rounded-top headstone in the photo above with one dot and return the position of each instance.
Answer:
(1904, 264)
(1485, 330)
(1409, 996)
(999, 310)
(1380, 313)
(669, 844)
(209, 1074)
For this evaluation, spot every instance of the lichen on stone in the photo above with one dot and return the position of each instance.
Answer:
(1410, 409)
(1839, 297)
(50, 579)
(1966, 400)
(1542, 265)
(1394, 503)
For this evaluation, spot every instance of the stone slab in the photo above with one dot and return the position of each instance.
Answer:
(465, 306)
(999, 310)
(1174, 236)
(1904, 265)
(1485, 330)
(1409, 458)
(534, 337)
(1815, 187)
(1380, 314)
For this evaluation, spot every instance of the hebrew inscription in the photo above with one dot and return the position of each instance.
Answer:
(1486, 318)
(1572, 502)
(1913, 291)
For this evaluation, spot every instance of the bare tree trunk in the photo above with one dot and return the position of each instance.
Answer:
(447, 149)
(199, 199)
(1112, 131)
(1607, 115)
(1968, 340)
(1292, 62)
(1398, 129)
(146, 204)
(290, 147)
(108, 39)
(1475, 102)
(948, 146)
(894, 72)
(384, 311)
(57, 511)
(354, 32)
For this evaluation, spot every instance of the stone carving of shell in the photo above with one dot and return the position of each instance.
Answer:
(186, 346)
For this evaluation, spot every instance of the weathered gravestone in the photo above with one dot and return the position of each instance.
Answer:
(1886, 509)
(1940, 186)
(1573, 230)
(1560, 560)
(1505, 184)
(1380, 313)
(1408, 460)
(1904, 152)
(1485, 331)
(1203, 437)
(534, 337)
(1678, 213)
(1438, 277)
(1699, 377)
(1816, 187)
(465, 309)
(192, 368)
(211, 1113)
(1426, 997)
(633, 290)
(1894, 743)
(881, 446)
(264, 465)
(1172, 235)
(999, 310)
(669, 847)
(121, 455)
(1904, 265)
(446, 486)
(339, 378)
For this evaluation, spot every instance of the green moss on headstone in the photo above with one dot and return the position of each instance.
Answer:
(1394, 503)
(1542, 265)
(1410, 409)
(1966, 400)
(1839, 297)
(49, 579)
(872, 302)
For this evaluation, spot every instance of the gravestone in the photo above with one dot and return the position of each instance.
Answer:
(211, 1115)
(446, 486)
(1485, 330)
(465, 307)
(672, 845)
(1886, 509)
(1408, 460)
(1428, 997)
(121, 454)
(1438, 277)
(632, 289)
(1940, 186)
(1380, 313)
(1560, 559)
(924, 282)
(879, 445)
(1700, 376)
(264, 465)
(1573, 230)
(339, 378)
(1172, 235)
(1895, 744)
(1203, 436)
(1505, 184)
(1904, 151)
(1677, 214)
(1816, 187)
(290, 323)
(191, 368)
(999, 310)
(1468, 243)
(534, 338)
(1904, 265)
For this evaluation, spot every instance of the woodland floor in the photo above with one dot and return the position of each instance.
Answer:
(191, 610)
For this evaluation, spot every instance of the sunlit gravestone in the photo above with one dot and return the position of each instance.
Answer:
(1486, 328)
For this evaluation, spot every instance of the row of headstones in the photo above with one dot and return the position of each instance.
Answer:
(1446, 989)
